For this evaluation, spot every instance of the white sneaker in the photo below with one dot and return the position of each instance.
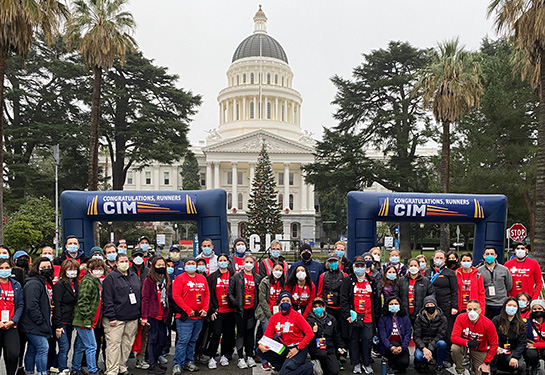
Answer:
(368, 370)
(162, 360)
(317, 368)
(212, 364)
(224, 361)
(250, 362)
(142, 365)
(242, 363)
(357, 369)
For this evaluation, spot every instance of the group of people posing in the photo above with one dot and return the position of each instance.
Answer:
(115, 305)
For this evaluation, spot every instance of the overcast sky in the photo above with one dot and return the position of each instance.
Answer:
(196, 39)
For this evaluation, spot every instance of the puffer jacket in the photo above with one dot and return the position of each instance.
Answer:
(329, 329)
(347, 296)
(236, 291)
(428, 332)
(422, 288)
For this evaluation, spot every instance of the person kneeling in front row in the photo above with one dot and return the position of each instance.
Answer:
(291, 329)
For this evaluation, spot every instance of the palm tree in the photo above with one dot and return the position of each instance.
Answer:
(18, 20)
(524, 22)
(101, 31)
(451, 85)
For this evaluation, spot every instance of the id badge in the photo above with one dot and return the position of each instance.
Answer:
(224, 299)
(5, 316)
(518, 284)
(329, 298)
(491, 290)
(361, 304)
(198, 298)
(465, 298)
(248, 299)
(132, 298)
(321, 343)
(286, 327)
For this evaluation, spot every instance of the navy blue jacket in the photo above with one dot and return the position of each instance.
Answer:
(18, 300)
(385, 326)
(36, 318)
(314, 268)
(115, 296)
(178, 268)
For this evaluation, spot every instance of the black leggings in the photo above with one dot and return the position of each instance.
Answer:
(533, 356)
(9, 348)
(245, 332)
(398, 362)
(223, 327)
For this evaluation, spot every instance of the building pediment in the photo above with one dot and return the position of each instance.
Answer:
(253, 141)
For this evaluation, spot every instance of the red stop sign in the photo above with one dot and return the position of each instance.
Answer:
(517, 232)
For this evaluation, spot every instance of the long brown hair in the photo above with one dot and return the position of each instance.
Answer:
(156, 277)
(504, 323)
(67, 264)
(385, 280)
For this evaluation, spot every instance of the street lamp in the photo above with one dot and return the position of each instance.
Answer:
(56, 157)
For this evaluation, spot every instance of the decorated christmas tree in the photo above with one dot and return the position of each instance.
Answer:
(263, 206)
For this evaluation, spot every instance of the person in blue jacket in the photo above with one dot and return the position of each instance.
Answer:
(174, 255)
(314, 268)
(11, 300)
(394, 331)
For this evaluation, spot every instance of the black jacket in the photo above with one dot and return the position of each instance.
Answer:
(517, 342)
(142, 273)
(115, 296)
(212, 282)
(64, 302)
(329, 329)
(347, 296)
(36, 317)
(61, 258)
(236, 291)
(446, 288)
(427, 333)
(422, 289)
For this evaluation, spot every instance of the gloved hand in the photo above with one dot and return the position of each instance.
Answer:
(473, 344)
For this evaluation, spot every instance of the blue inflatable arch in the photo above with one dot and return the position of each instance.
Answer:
(207, 207)
(487, 212)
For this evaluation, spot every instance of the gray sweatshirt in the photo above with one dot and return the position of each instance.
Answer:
(496, 284)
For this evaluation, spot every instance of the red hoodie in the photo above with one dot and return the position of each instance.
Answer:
(483, 331)
(526, 277)
(473, 290)
(292, 328)
(191, 293)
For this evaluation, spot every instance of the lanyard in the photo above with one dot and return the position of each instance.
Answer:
(436, 275)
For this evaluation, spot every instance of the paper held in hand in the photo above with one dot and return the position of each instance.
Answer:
(275, 346)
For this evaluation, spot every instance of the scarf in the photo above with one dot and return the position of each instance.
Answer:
(162, 285)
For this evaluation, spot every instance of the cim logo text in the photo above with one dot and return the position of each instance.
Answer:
(119, 208)
(412, 210)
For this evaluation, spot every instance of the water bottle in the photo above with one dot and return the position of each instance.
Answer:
(384, 367)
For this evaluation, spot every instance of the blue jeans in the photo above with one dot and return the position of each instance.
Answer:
(187, 333)
(439, 354)
(263, 328)
(85, 342)
(64, 346)
(36, 354)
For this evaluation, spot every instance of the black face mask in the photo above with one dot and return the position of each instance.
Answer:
(430, 309)
(452, 263)
(537, 314)
(47, 273)
(160, 270)
(306, 255)
(23, 263)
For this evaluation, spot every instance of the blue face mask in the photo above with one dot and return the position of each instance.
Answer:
(191, 268)
(72, 248)
(369, 263)
(206, 250)
(339, 253)
(285, 306)
(359, 271)
(523, 304)
(391, 276)
(4, 256)
(201, 268)
(394, 259)
(423, 265)
(489, 259)
(319, 311)
(394, 309)
(144, 247)
(466, 265)
(333, 266)
(120, 250)
(111, 257)
(275, 253)
(170, 270)
(511, 310)
(5, 273)
(223, 264)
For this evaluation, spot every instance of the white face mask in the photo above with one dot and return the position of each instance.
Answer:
(241, 249)
(376, 257)
(413, 270)
(277, 274)
(248, 266)
(301, 275)
(138, 261)
(439, 262)
(97, 273)
(473, 315)
(520, 253)
(71, 274)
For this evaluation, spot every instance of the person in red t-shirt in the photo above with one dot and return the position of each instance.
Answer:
(526, 273)
(11, 308)
(470, 283)
(291, 329)
(192, 296)
(302, 290)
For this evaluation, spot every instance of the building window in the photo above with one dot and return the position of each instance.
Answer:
(252, 78)
(229, 201)
(130, 178)
(240, 201)
(229, 178)
(203, 179)
(259, 110)
(281, 201)
(291, 178)
(282, 81)
(166, 178)
(242, 229)
(238, 113)
(268, 110)
(283, 112)
(294, 230)
(148, 178)
(281, 178)
(276, 79)
(239, 178)
(252, 110)
(244, 78)
(291, 202)
(268, 79)
(238, 79)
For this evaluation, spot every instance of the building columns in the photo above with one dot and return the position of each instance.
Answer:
(234, 181)
(216, 174)
(303, 193)
(286, 185)
(277, 116)
(311, 197)
(243, 108)
(208, 175)
(252, 173)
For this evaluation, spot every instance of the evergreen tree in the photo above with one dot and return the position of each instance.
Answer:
(264, 210)
(190, 172)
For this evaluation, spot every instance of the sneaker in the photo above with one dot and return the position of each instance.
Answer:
(368, 370)
(212, 364)
(466, 361)
(375, 354)
(176, 370)
(162, 360)
(265, 366)
(317, 369)
(54, 370)
(190, 366)
(143, 365)
(224, 361)
(65, 372)
(156, 370)
(357, 369)
(250, 362)
(390, 371)
(242, 363)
